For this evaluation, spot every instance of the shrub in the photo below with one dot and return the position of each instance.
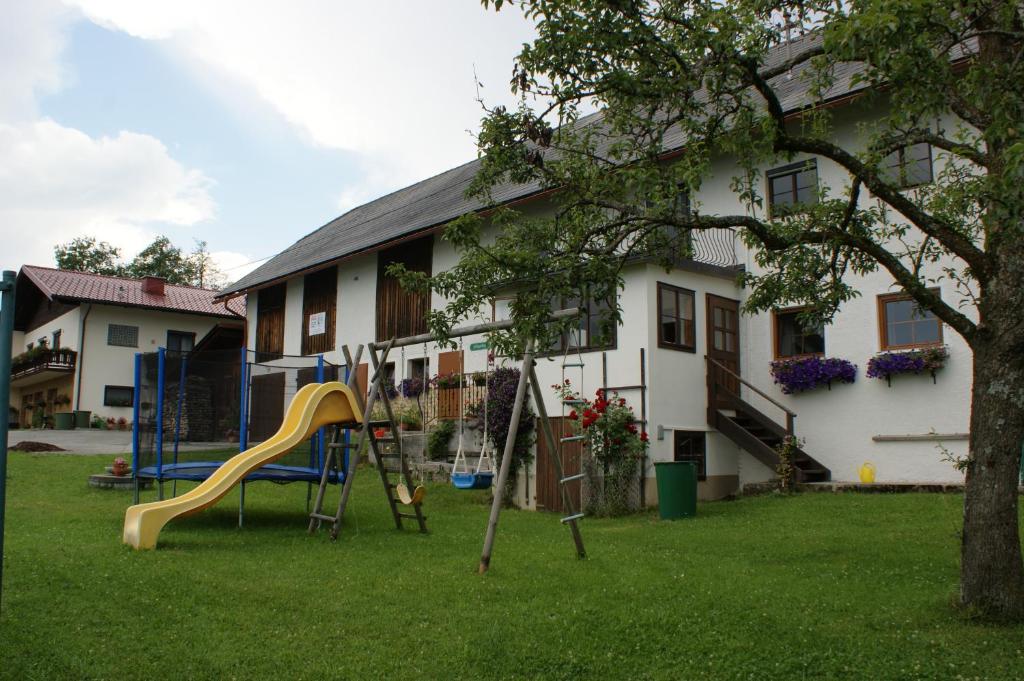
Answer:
(807, 373)
(438, 438)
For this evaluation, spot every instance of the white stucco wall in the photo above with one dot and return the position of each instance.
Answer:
(105, 365)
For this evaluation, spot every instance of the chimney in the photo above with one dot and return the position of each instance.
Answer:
(154, 286)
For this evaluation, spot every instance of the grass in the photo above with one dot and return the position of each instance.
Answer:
(813, 586)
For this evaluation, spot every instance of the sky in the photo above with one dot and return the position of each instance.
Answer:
(244, 124)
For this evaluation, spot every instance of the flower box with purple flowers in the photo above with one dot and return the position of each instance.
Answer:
(800, 374)
(888, 364)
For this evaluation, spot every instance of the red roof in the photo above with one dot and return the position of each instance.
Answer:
(97, 288)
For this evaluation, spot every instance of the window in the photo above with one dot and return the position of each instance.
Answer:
(680, 242)
(675, 318)
(590, 333)
(55, 339)
(904, 324)
(689, 445)
(795, 339)
(180, 341)
(123, 336)
(909, 166)
(118, 396)
(791, 187)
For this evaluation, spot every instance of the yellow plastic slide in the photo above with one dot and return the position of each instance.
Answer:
(314, 406)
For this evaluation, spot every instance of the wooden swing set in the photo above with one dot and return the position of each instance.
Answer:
(405, 494)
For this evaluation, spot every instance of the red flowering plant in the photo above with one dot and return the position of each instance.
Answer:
(607, 424)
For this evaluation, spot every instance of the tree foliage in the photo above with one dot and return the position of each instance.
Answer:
(86, 254)
(689, 90)
(161, 258)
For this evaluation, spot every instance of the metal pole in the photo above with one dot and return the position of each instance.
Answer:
(136, 410)
(468, 330)
(506, 458)
(243, 407)
(320, 433)
(6, 340)
(183, 358)
(160, 422)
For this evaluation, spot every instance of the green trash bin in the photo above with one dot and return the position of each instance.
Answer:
(677, 489)
(82, 417)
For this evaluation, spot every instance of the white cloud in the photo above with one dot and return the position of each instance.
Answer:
(57, 183)
(391, 80)
(31, 39)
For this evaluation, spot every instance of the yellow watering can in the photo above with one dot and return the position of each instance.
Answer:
(867, 472)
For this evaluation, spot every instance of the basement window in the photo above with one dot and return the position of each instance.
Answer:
(691, 445)
(118, 396)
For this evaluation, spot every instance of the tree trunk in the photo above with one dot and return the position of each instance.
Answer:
(991, 568)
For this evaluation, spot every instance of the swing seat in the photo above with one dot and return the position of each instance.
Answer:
(410, 499)
(473, 480)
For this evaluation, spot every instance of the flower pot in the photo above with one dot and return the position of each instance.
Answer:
(64, 420)
(120, 467)
(82, 418)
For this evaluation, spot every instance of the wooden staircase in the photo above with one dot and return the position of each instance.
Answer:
(751, 429)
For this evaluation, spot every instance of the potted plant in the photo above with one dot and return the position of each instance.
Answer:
(407, 414)
(111, 423)
(801, 374)
(122, 423)
(96, 422)
(888, 364)
(120, 467)
(63, 420)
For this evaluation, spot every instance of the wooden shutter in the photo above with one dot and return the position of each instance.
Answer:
(400, 312)
(319, 295)
(270, 323)
(449, 362)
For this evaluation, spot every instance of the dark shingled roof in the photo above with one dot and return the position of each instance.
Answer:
(440, 199)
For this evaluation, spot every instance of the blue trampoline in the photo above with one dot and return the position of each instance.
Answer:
(194, 410)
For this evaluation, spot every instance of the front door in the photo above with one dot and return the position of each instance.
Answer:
(724, 343)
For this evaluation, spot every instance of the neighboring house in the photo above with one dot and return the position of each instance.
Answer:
(336, 277)
(76, 335)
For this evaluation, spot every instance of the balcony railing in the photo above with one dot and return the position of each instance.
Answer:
(37, 361)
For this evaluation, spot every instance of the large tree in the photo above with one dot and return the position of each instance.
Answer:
(682, 84)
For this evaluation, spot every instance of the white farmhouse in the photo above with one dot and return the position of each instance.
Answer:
(676, 324)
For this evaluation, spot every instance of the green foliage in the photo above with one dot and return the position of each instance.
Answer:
(161, 258)
(438, 438)
(681, 84)
(856, 586)
(788, 450)
(86, 254)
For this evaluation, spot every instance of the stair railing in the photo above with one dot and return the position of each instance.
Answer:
(716, 387)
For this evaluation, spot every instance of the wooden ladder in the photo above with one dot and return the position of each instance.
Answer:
(366, 437)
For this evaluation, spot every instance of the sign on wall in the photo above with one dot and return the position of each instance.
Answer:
(317, 323)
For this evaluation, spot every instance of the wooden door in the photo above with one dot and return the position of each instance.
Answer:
(549, 490)
(266, 405)
(724, 342)
(319, 297)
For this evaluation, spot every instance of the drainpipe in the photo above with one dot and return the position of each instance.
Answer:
(81, 356)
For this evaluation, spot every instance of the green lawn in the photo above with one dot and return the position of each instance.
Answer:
(814, 586)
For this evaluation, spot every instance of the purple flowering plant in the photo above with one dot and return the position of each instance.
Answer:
(800, 374)
(888, 364)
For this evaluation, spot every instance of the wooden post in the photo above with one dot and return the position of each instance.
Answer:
(506, 459)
